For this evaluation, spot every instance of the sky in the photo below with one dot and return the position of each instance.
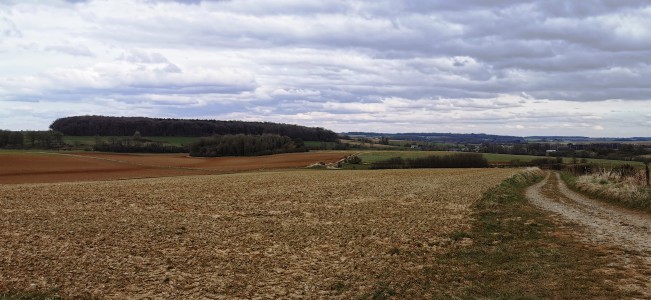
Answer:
(547, 67)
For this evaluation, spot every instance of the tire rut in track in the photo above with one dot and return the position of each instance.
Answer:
(625, 232)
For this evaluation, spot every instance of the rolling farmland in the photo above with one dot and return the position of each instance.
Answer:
(285, 234)
(35, 167)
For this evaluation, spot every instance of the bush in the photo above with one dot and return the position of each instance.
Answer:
(353, 160)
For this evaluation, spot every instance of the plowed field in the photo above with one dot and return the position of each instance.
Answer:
(297, 234)
(30, 167)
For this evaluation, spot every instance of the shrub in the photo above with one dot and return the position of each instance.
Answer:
(353, 160)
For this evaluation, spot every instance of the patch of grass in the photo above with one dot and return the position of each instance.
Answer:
(21, 152)
(374, 156)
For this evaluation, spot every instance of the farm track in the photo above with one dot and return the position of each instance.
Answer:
(625, 234)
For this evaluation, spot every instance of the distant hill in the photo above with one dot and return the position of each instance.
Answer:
(452, 138)
(585, 139)
(478, 138)
(127, 126)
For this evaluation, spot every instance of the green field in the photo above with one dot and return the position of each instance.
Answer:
(21, 152)
(90, 140)
(374, 156)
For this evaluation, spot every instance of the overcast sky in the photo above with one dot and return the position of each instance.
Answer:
(548, 67)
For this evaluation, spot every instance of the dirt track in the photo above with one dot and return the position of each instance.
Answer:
(626, 234)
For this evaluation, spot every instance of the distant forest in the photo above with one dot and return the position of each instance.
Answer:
(127, 126)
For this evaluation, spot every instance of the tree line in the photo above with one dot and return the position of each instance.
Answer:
(126, 126)
(245, 145)
(457, 160)
(31, 139)
(135, 144)
(617, 151)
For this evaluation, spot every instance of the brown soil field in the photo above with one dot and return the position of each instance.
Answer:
(278, 161)
(31, 167)
(269, 235)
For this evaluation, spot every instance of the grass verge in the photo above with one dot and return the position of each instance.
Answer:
(514, 250)
(617, 193)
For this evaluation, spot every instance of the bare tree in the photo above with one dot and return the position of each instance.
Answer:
(646, 161)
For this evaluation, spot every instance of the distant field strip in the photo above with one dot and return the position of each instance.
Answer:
(34, 167)
(378, 155)
(301, 234)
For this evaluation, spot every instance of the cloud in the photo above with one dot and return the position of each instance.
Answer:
(79, 50)
(499, 66)
(8, 29)
(139, 56)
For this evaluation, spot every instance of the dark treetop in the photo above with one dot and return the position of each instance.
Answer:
(127, 126)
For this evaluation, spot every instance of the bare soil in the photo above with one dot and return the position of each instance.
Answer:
(85, 166)
(273, 235)
(623, 234)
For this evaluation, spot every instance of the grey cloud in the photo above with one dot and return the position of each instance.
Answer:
(323, 60)
(171, 68)
(79, 50)
(189, 2)
(139, 56)
(197, 89)
(8, 28)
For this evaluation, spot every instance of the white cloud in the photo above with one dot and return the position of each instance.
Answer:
(511, 67)
(74, 50)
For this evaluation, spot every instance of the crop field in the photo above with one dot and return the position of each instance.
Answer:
(374, 156)
(231, 163)
(41, 167)
(90, 140)
(290, 234)
(376, 145)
